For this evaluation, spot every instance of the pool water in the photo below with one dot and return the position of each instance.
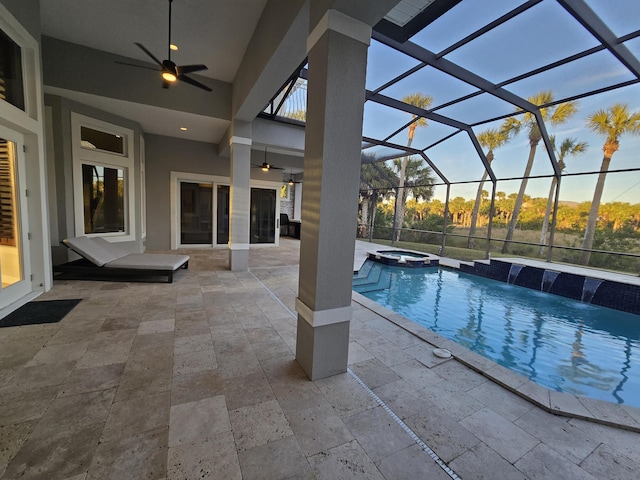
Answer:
(557, 342)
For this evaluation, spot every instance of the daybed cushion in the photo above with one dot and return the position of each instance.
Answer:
(149, 261)
(106, 254)
(92, 251)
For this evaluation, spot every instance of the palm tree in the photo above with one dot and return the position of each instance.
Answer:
(554, 115)
(568, 147)
(372, 178)
(490, 139)
(611, 123)
(418, 180)
(422, 101)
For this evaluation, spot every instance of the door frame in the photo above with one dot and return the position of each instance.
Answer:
(174, 189)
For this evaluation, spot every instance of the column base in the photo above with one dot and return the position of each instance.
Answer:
(239, 260)
(322, 351)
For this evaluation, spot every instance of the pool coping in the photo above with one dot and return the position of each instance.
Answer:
(558, 403)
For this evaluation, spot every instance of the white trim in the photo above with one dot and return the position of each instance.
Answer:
(238, 246)
(124, 161)
(321, 318)
(143, 191)
(340, 23)
(240, 141)
(174, 191)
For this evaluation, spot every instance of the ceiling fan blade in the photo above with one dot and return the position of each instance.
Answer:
(182, 69)
(193, 82)
(144, 49)
(139, 66)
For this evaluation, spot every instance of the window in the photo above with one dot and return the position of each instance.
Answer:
(103, 179)
(11, 87)
(103, 194)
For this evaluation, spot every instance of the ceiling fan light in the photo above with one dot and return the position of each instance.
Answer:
(291, 181)
(265, 167)
(169, 77)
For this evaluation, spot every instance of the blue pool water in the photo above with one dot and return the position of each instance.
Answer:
(557, 342)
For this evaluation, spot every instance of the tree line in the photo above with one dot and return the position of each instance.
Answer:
(410, 177)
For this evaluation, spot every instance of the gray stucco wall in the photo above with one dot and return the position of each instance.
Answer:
(27, 12)
(164, 155)
(63, 159)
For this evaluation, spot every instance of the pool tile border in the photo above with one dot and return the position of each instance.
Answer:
(558, 403)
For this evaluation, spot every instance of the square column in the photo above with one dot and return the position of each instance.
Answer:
(239, 200)
(337, 48)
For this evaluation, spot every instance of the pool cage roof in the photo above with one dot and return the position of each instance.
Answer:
(480, 63)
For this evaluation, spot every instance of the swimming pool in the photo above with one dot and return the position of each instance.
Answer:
(557, 342)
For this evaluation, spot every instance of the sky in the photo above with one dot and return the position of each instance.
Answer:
(544, 33)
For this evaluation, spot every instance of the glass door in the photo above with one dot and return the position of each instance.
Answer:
(12, 226)
(222, 215)
(263, 215)
(196, 213)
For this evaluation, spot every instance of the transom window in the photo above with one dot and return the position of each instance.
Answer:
(11, 86)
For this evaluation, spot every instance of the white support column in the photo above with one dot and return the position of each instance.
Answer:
(239, 196)
(337, 48)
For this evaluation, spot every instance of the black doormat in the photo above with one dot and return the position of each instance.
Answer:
(33, 313)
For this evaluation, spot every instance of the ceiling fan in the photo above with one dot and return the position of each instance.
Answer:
(169, 70)
(266, 166)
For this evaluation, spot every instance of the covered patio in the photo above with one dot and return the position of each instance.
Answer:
(198, 379)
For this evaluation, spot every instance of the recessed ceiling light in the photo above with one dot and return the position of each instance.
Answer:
(184, 129)
(173, 47)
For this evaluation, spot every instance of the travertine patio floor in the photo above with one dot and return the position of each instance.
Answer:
(198, 379)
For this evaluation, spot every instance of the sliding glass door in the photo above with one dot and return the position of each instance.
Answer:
(196, 213)
(263, 215)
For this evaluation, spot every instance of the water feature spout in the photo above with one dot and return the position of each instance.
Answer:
(589, 289)
(548, 277)
(514, 271)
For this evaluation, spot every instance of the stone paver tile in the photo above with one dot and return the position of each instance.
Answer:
(442, 434)
(482, 463)
(622, 441)
(509, 440)
(345, 394)
(403, 399)
(52, 354)
(137, 415)
(374, 373)
(57, 455)
(423, 353)
(463, 377)
(107, 355)
(558, 433)
(29, 378)
(568, 403)
(298, 394)
(90, 379)
(72, 413)
(184, 363)
(378, 433)
(417, 374)
(543, 463)
(247, 390)
(278, 459)
(318, 428)
(358, 354)
(215, 458)
(17, 407)
(504, 402)
(258, 424)
(344, 462)
(452, 400)
(156, 326)
(605, 462)
(389, 353)
(143, 455)
(196, 386)
(609, 412)
(198, 421)
(193, 343)
(411, 463)
(12, 437)
(141, 383)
